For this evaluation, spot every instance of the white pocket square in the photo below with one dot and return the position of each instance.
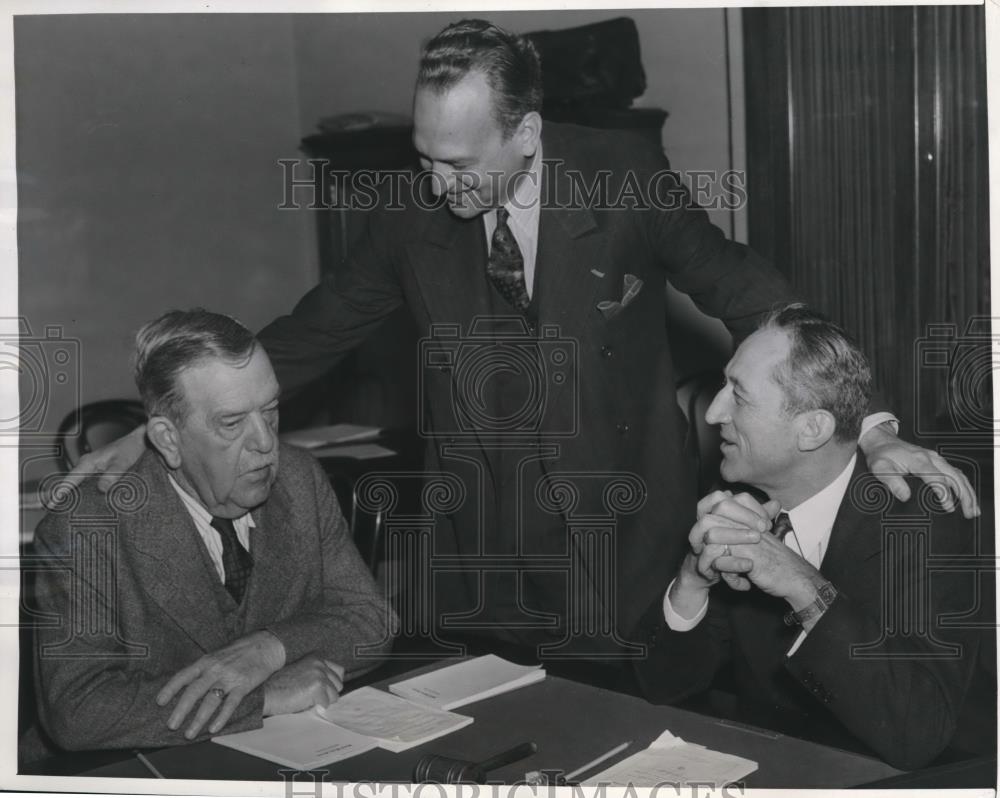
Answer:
(631, 286)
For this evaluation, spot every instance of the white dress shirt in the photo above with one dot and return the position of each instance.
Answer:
(523, 221)
(203, 522)
(812, 523)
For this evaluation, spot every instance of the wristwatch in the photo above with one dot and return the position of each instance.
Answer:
(826, 593)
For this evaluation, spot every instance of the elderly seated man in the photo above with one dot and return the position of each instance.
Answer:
(220, 584)
(835, 613)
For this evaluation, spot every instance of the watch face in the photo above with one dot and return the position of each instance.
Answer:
(827, 593)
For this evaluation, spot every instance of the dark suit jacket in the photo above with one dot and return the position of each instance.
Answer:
(617, 412)
(138, 599)
(890, 660)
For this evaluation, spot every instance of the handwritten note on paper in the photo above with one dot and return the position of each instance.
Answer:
(396, 723)
(670, 760)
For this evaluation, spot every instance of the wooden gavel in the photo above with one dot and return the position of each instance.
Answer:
(445, 770)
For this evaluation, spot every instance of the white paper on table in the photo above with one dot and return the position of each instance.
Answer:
(358, 451)
(466, 682)
(397, 724)
(670, 760)
(301, 740)
(332, 435)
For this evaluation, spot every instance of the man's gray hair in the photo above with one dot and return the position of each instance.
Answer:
(178, 340)
(824, 370)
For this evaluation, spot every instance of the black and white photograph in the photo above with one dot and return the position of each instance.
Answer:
(489, 399)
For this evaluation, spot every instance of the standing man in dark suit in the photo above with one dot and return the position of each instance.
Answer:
(835, 611)
(536, 275)
(221, 584)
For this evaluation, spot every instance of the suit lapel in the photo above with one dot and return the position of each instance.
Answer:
(570, 241)
(855, 537)
(171, 572)
(274, 568)
(570, 244)
(449, 263)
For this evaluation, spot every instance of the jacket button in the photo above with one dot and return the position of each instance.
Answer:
(607, 351)
(622, 427)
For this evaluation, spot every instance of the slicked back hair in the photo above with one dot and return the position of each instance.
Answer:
(824, 370)
(178, 340)
(509, 62)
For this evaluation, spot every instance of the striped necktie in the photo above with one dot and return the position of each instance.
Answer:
(236, 560)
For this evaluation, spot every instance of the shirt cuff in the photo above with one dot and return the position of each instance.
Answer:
(872, 421)
(679, 623)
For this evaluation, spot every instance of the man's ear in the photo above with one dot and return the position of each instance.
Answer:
(815, 428)
(529, 134)
(162, 433)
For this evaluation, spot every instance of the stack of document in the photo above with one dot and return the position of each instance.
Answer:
(361, 720)
(335, 434)
(339, 440)
(670, 760)
(467, 682)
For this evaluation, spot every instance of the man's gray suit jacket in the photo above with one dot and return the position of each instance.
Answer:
(139, 599)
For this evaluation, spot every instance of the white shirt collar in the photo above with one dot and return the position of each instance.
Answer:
(198, 512)
(528, 190)
(812, 520)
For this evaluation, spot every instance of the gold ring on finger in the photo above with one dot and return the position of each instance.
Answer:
(218, 692)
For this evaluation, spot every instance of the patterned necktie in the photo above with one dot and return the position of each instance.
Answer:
(236, 560)
(782, 526)
(506, 264)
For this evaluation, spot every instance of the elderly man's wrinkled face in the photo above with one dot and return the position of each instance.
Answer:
(228, 439)
(463, 146)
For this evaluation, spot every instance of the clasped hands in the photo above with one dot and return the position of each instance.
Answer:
(215, 684)
(732, 542)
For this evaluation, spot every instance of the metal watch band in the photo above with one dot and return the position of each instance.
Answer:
(825, 595)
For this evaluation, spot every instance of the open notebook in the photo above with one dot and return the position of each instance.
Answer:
(361, 720)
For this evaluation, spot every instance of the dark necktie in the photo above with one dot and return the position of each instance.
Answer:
(236, 560)
(782, 526)
(506, 264)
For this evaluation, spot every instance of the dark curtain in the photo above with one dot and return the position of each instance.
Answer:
(867, 181)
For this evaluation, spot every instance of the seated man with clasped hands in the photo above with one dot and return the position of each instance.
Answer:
(830, 609)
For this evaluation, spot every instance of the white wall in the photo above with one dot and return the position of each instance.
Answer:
(147, 149)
